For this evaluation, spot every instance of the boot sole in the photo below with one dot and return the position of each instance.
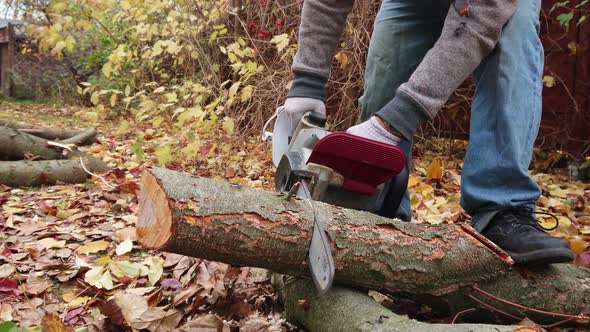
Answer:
(543, 256)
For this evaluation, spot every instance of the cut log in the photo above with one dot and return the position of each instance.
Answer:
(16, 145)
(345, 309)
(440, 265)
(49, 133)
(85, 137)
(25, 173)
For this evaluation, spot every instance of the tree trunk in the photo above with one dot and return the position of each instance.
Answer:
(345, 309)
(26, 173)
(43, 132)
(435, 264)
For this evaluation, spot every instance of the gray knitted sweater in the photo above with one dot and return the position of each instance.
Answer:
(467, 37)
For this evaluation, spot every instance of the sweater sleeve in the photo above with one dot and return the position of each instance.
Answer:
(322, 23)
(468, 36)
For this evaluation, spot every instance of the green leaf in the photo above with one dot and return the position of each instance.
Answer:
(8, 327)
(137, 149)
(564, 19)
(107, 69)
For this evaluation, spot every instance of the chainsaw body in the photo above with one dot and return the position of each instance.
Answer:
(342, 169)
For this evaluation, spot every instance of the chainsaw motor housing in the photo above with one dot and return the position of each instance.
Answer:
(342, 169)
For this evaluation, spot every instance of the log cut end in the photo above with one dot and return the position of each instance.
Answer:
(154, 227)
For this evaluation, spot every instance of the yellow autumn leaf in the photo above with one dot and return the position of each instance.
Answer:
(549, 81)
(434, 170)
(281, 41)
(94, 98)
(93, 247)
(246, 93)
(228, 125)
(164, 154)
(413, 181)
(342, 59)
(577, 244)
(113, 99)
(70, 42)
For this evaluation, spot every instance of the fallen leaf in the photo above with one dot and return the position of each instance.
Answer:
(157, 320)
(434, 170)
(171, 283)
(124, 247)
(99, 277)
(125, 233)
(52, 323)
(206, 323)
(49, 243)
(6, 311)
(156, 268)
(92, 247)
(36, 285)
(8, 284)
(7, 270)
(132, 306)
(126, 268)
(577, 244)
(8, 327)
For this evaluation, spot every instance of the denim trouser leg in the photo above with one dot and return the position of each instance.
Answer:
(505, 119)
(404, 31)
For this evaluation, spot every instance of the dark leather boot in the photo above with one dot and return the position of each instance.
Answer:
(517, 232)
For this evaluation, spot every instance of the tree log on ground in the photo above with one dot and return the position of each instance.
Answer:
(446, 266)
(25, 173)
(346, 309)
(33, 161)
(49, 133)
(16, 145)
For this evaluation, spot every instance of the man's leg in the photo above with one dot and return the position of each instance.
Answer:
(505, 119)
(404, 31)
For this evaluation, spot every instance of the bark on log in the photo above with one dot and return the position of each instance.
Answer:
(27, 173)
(434, 264)
(49, 133)
(346, 309)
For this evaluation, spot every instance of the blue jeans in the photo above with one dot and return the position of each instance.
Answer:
(506, 108)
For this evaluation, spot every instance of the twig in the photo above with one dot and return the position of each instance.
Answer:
(548, 313)
(67, 147)
(461, 313)
(491, 307)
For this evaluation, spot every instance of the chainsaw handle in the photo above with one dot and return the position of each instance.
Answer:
(316, 119)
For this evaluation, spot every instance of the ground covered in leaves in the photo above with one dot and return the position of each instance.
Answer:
(69, 257)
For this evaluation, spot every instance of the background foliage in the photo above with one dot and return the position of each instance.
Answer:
(199, 65)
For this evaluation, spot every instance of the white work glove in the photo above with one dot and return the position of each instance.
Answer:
(297, 106)
(377, 130)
